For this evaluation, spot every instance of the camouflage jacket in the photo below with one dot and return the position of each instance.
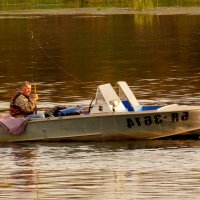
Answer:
(21, 105)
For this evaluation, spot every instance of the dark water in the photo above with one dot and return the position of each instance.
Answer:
(117, 170)
(69, 56)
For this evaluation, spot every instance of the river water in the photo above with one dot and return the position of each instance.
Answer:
(69, 56)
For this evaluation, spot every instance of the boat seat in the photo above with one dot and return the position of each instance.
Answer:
(107, 100)
(125, 93)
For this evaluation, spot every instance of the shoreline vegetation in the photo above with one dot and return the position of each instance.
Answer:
(137, 5)
(104, 11)
(99, 7)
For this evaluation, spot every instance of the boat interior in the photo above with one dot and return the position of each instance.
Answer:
(108, 100)
(118, 99)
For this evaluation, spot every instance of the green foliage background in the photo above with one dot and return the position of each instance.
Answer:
(135, 4)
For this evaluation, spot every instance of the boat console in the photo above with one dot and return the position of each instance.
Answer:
(120, 99)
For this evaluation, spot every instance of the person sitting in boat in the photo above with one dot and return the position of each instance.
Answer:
(23, 104)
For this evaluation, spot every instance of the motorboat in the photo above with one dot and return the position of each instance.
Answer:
(114, 114)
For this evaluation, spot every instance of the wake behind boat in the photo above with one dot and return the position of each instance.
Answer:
(113, 115)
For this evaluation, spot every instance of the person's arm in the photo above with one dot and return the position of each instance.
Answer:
(25, 105)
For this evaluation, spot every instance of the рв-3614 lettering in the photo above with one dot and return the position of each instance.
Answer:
(156, 119)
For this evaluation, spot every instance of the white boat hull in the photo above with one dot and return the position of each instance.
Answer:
(110, 126)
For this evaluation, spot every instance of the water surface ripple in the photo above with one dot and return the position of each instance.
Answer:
(160, 169)
(159, 58)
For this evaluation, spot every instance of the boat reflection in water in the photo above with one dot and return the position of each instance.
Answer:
(23, 177)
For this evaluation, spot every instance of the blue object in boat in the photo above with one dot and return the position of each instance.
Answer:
(75, 110)
(139, 108)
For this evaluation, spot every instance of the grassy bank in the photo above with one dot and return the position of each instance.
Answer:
(135, 4)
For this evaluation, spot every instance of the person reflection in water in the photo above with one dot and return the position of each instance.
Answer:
(23, 104)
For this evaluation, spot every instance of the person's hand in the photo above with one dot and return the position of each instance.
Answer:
(35, 97)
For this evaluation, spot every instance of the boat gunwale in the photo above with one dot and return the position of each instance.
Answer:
(107, 114)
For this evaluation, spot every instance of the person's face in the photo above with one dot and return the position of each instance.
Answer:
(26, 89)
